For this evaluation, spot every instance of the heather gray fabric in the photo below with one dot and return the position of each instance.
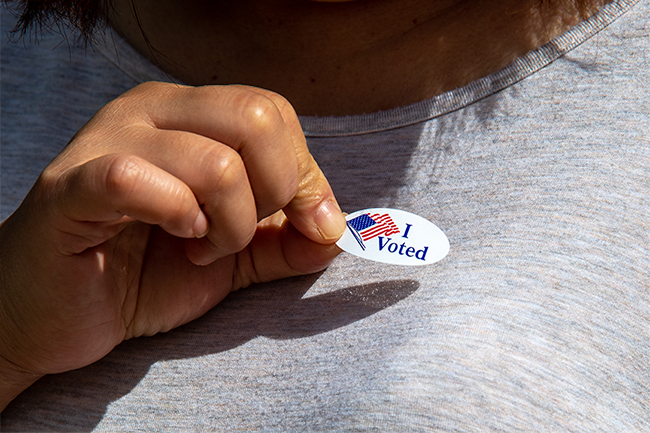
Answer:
(537, 320)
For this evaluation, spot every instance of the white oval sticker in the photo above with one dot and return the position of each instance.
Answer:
(393, 236)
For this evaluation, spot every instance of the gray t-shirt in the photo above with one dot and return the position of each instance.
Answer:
(537, 320)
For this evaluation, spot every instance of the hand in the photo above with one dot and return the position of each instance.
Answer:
(165, 201)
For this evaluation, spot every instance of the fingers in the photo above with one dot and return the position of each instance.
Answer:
(279, 250)
(313, 210)
(264, 129)
(218, 178)
(237, 153)
(246, 120)
(112, 186)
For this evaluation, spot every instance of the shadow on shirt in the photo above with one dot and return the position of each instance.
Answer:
(369, 170)
(276, 310)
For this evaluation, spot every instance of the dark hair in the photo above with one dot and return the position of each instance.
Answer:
(77, 18)
(81, 18)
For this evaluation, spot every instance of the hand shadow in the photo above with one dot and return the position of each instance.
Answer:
(276, 310)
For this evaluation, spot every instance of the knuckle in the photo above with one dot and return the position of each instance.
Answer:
(225, 169)
(289, 115)
(281, 103)
(122, 176)
(260, 112)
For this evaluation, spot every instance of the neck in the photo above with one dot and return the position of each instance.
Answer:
(342, 58)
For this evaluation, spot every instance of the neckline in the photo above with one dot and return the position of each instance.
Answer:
(126, 58)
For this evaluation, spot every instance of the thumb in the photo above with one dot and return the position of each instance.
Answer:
(278, 250)
(314, 210)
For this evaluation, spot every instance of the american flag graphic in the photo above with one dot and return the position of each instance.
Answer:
(366, 226)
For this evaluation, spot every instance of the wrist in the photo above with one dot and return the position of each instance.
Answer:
(13, 381)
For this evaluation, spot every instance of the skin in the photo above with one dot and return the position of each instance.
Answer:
(123, 238)
(341, 58)
(170, 197)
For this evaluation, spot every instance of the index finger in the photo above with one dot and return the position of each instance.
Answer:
(313, 210)
(264, 128)
(247, 121)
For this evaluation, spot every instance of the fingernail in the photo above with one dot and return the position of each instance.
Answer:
(201, 226)
(330, 220)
